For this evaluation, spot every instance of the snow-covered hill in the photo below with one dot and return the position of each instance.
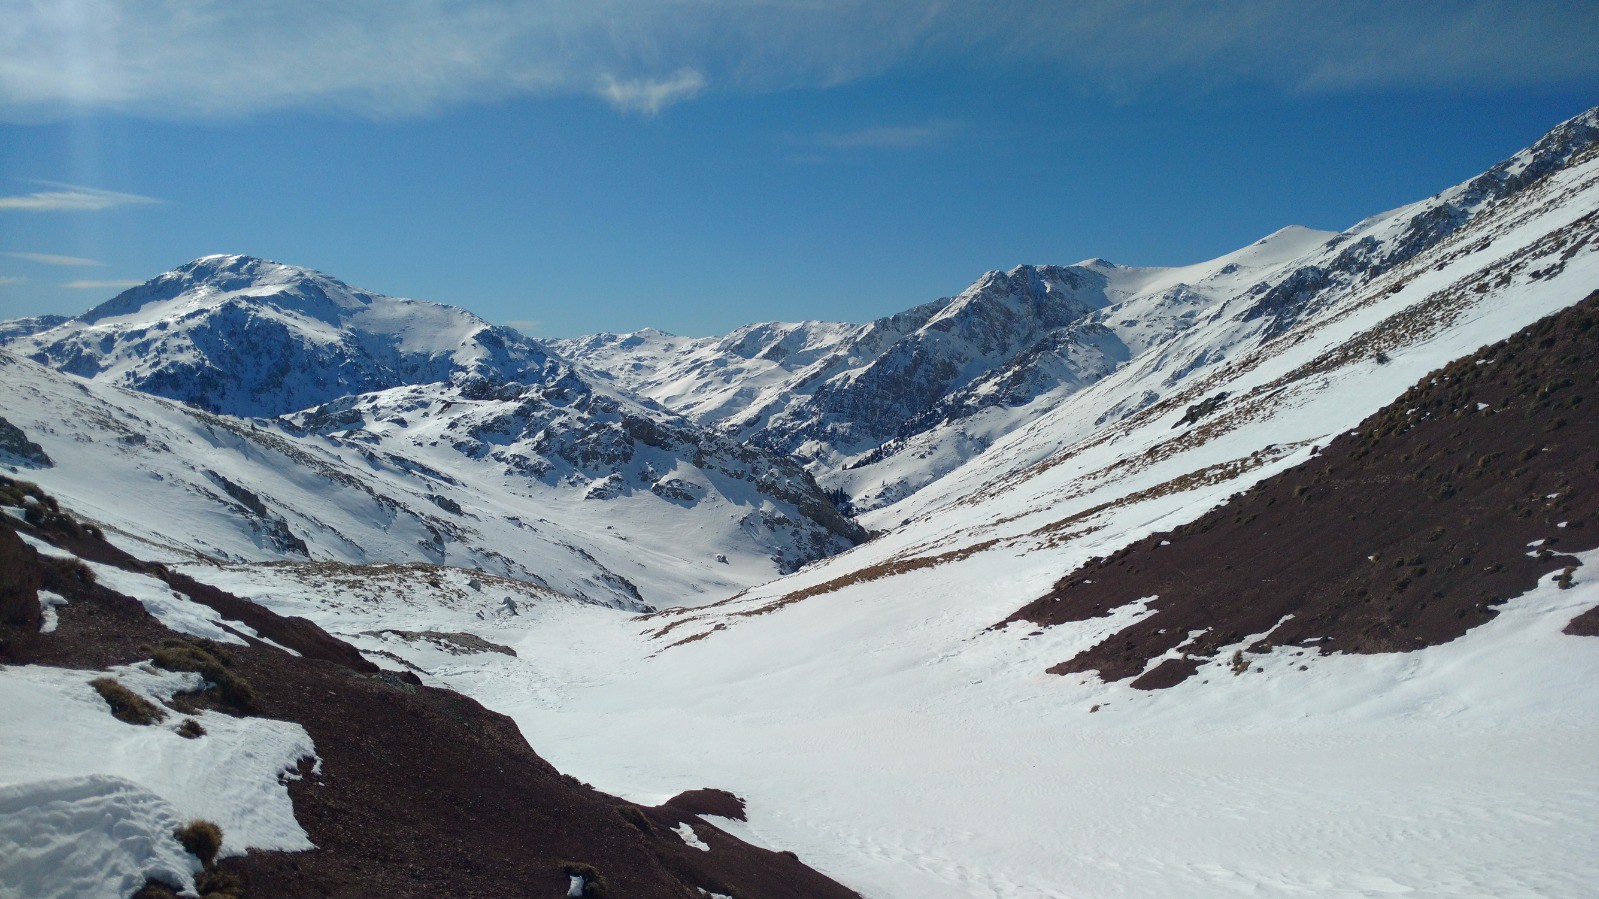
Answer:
(586, 493)
(165, 738)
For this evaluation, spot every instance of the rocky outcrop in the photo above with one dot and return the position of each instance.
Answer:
(15, 444)
(20, 580)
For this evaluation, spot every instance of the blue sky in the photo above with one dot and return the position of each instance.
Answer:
(697, 164)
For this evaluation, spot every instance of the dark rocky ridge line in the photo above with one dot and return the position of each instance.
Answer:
(1404, 533)
(422, 792)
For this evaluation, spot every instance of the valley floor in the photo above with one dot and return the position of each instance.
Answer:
(940, 761)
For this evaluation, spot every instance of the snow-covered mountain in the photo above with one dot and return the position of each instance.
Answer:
(940, 380)
(389, 430)
(249, 337)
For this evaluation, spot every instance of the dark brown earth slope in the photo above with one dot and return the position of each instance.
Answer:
(1404, 533)
(421, 792)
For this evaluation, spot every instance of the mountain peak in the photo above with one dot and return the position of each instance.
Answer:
(217, 279)
(250, 336)
(1030, 284)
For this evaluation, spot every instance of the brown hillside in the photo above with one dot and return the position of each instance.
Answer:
(1404, 533)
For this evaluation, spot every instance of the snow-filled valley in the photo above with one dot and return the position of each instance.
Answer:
(639, 548)
(1460, 770)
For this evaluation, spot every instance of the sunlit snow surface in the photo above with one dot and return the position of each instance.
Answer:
(88, 803)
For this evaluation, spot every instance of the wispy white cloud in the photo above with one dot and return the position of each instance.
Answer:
(179, 58)
(887, 137)
(651, 95)
(53, 259)
(525, 325)
(71, 198)
(8, 279)
(102, 285)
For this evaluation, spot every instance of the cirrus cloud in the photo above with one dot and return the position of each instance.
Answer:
(102, 285)
(651, 95)
(70, 198)
(53, 259)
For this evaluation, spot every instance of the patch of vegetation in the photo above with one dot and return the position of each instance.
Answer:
(127, 705)
(72, 570)
(211, 662)
(636, 817)
(191, 729)
(201, 839)
(42, 511)
(1565, 579)
(593, 883)
(1239, 664)
(215, 884)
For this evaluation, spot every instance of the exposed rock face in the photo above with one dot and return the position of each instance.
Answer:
(1404, 533)
(14, 443)
(905, 365)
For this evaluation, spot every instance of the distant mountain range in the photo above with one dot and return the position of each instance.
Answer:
(316, 420)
